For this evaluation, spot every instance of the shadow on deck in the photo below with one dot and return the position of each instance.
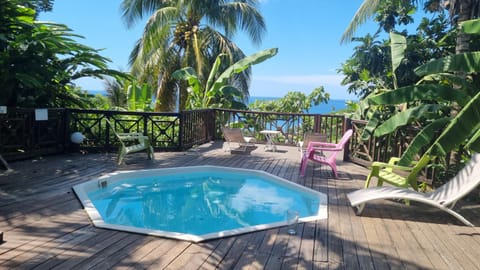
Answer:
(45, 226)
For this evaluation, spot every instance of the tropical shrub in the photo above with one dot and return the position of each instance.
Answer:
(39, 61)
(445, 103)
(219, 91)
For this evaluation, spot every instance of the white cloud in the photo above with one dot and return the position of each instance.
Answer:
(279, 85)
(327, 80)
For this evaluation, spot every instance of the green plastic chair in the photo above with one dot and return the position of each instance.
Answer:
(131, 143)
(387, 172)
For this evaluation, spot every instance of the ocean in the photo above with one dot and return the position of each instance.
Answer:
(331, 106)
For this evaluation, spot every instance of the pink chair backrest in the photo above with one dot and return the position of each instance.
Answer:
(345, 138)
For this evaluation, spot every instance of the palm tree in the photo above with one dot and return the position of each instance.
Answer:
(184, 33)
(459, 10)
(116, 93)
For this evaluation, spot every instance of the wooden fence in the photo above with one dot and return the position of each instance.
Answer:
(292, 126)
(22, 136)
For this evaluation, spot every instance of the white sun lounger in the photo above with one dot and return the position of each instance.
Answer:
(443, 197)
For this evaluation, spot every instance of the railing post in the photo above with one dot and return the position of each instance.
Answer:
(67, 132)
(181, 130)
(346, 150)
(212, 124)
(317, 123)
(107, 131)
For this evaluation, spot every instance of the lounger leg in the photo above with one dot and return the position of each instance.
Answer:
(367, 182)
(358, 209)
(121, 155)
(303, 166)
(374, 172)
(150, 153)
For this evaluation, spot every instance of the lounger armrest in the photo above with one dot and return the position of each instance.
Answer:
(393, 160)
(391, 166)
(132, 136)
(250, 139)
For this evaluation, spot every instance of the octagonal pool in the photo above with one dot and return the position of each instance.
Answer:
(197, 203)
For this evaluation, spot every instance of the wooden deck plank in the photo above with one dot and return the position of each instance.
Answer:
(19, 240)
(45, 226)
(137, 256)
(234, 254)
(252, 258)
(76, 253)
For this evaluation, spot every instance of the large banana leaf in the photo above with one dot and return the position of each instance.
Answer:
(474, 142)
(213, 73)
(464, 62)
(423, 138)
(139, 97)
(471, 26)
(371, 125)
(245, 63)
(463, 128)
(406, 117)
(201, 95)
(436, 92)
(447, 78)
(398, 44)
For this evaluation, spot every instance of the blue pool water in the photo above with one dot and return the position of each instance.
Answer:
(200, 202)
(197, 203)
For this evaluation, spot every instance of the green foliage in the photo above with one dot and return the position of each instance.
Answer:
(422, 139)
(408, 116)
(377, 65)
(116, 92)
(139, 97)
(398, 44)
(422, 92)
(293, 102)
(182, 34)
(39, 61)
(465, 62)
(436, 103)
(217, 91)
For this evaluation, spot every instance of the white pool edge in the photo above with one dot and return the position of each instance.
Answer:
(97, 220)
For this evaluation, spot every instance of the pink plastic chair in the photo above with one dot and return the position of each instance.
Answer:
(316, 152)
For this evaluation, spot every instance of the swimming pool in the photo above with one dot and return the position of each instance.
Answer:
(196, 203)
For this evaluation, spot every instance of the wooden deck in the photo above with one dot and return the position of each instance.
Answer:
(45, 226)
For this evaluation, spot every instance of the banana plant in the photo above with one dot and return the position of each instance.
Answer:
(216, 91)
(398, 44)
(446, 100)
(139, 97)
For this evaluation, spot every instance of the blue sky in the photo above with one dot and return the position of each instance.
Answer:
(306, 32)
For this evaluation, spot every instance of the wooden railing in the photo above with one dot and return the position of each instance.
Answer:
(21, 134)
(292, 126)
(162, 128)
(197, 127)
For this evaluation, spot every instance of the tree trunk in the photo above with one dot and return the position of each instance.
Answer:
(166, 94)
(464, 13)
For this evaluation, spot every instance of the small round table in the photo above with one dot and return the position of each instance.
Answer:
(269, 134)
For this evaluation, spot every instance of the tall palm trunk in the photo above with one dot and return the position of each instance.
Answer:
(464, 12)
(166, 98)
